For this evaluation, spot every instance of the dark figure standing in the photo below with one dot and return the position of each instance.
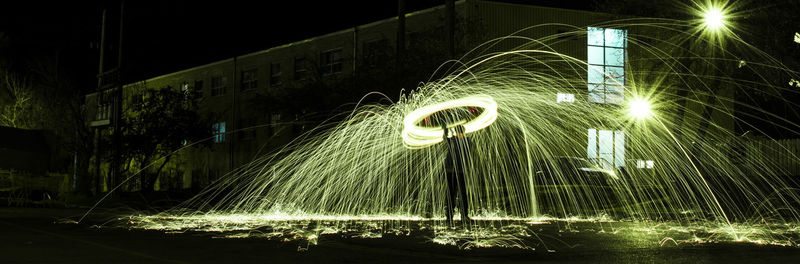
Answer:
(458, 160)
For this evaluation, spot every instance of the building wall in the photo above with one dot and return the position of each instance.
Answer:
(242, 109)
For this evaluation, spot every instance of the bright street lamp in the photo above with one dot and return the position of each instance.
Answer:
(639, 108)
(714, 18)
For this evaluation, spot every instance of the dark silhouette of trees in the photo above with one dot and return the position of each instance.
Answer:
(156, 123)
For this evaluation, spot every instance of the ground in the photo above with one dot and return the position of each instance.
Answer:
(43, 235)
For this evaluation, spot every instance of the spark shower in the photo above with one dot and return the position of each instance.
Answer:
(383, 167)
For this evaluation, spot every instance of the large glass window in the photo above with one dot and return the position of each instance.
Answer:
(607, 147)
(606, 55)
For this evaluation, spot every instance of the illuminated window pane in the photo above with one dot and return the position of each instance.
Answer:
(596, 74)
(614, 57)
(619, 148)
(595, 55)
(565, 98)
(615, 37)
(640, 164)
(607, 147)
(596, 93)
(614, 94)
(591, 149)
(605, 139)
(614, 75)
(595, 36)
(219, 132)
(650, 164)
(606, 56)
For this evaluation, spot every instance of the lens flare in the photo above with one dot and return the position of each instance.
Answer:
(713, 18)
(639, 108)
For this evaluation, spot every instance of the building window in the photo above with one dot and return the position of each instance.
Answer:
(219, 85)
(330, 62)
(274, 122)
(300, 69)
(218, 129)
(249, 79)
(104, 105)
(607, 147)
(606, 55)
(644, 164)
(275, 74)
(198, 88)
(565, 98)
(376, 52)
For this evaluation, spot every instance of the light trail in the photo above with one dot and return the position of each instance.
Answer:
(383, 167)
(415, 136)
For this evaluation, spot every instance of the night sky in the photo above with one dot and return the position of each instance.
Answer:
(166, 36)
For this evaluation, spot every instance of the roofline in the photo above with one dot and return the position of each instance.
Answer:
(548, 7)
(371, 24)
(181, 71)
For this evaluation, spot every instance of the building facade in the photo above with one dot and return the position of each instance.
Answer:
(230, 90)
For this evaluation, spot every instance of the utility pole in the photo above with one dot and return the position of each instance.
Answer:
(100, 98)
(229, 137)
(109, 105)
(401, 33)
(450, 17)
(115, 165)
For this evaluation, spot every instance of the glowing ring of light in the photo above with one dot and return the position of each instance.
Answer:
(417, 137)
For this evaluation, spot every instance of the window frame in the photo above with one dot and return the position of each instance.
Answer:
(198, 88)
(300, 68)
(329, 63)
(219, 88)
(275, 77)
(247, 84)
(611, 89)
(218, 129)
(594, 147)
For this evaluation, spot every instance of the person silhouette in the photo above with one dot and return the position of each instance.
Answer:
(457, 162)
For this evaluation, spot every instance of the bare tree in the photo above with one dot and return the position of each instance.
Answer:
(16, 101)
